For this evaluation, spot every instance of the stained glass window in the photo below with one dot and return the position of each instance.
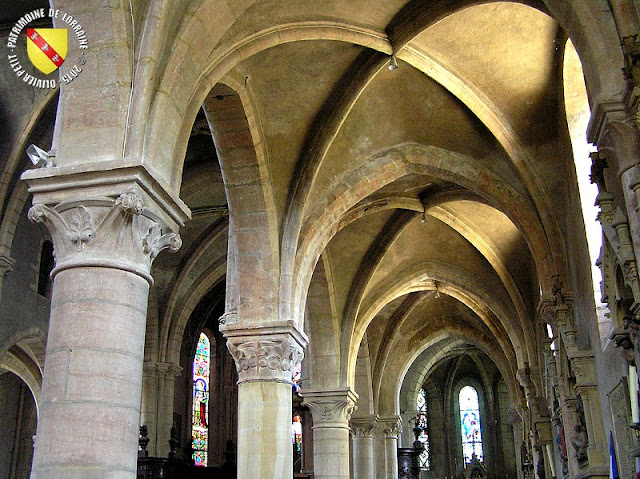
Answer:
(421, 417)
(200, 416)
(296, 377)
(296, 440)
(470, 424)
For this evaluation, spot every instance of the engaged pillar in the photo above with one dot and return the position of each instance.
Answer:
(392, 426)
(362, 431)
(331, 410)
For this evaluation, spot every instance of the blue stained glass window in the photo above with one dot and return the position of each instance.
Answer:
(200, 416)
(421, 405)
(297, 372)
(470, 424)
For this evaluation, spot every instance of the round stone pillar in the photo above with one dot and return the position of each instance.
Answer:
(265, 357)
(363, 441)
(104, 246)
(331, 410)
(392, 426)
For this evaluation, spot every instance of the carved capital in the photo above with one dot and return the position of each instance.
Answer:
(364, 426)
(269, 352)
(514, 416)
(330, 408)
(392, 426)
(115, 232)
(583, 367)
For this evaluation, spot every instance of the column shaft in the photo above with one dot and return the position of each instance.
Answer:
(264, 430)
(391, 456)
(363, 457)
(90, 406)
(331, 452)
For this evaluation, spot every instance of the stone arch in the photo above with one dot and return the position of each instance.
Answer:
(19, 147)
(12, 215)
(212, 276)
(198, 84)
(455, 283)
(188, 291)
(384, 167)
(23, 355)
(253, 231)
(390, 403)
(323, 328)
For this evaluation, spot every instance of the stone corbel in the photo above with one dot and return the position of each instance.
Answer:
(6, 265)
(266, 352)
(330, 408)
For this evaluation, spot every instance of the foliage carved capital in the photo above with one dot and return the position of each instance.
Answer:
(265, 353)
(331, 408)
(115, 232)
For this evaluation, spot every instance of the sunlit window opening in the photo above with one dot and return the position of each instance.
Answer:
(470, 424)
(421, 417)
(200, 416)
(578, 114)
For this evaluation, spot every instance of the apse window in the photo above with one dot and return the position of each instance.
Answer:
(421, 421)
(470, 425)
(200, 416)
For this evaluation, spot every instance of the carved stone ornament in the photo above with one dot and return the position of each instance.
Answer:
(269, 352)
(598, 165)
(392, 426)
(158, 369)
(364, 426)
(331, 407)
(631, 50)
(105, 232)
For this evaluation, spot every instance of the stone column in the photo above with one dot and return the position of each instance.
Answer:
(157, 404)
(392, 426)
(362, 430)
(265, 357)
(331, 410)
(107, 228)
(149, 405)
